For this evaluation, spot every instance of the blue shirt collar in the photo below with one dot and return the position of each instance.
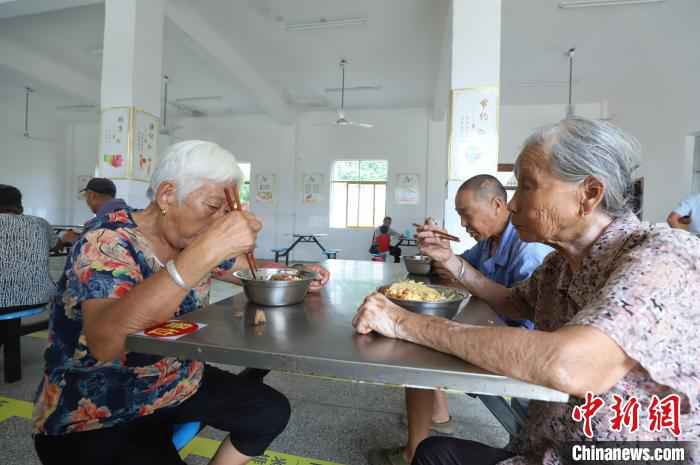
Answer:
(503, 252)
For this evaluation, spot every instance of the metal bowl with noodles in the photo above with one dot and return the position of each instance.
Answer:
(276, 286)
(426, 299)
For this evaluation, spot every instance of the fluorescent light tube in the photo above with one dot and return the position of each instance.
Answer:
(324, 23)
(593, 3)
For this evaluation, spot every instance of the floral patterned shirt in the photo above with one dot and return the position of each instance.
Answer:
(77, 392)
(640, 285)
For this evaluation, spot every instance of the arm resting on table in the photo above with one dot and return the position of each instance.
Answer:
(574, 359)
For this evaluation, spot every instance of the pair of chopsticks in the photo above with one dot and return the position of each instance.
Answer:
(440, 234)
(234, 203)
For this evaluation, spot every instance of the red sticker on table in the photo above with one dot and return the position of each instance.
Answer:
(172, 328)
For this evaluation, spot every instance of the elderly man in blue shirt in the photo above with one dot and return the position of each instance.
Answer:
(499, 255)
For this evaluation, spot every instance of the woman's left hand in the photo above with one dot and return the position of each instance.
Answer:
(324, 276)
(377, 313)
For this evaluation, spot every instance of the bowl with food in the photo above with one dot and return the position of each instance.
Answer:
(417, 264)
(426, 299)
(276, 287)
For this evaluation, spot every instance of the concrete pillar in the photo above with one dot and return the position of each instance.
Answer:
(132, 63)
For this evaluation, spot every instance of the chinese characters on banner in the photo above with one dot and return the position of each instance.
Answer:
(265, 188)
(145, 145)
(473, 144)
(114, 143)
(663, 414)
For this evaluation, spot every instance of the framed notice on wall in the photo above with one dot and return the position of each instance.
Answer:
(113, 159)
(265, 188)
(406, 190)
(312, 187)
(473, 136)
(145, 147)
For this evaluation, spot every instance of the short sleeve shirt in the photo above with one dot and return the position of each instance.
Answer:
(690, 206)
(640, 285)
(79, 393)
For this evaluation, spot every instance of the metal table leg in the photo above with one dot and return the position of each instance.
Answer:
(506, 415)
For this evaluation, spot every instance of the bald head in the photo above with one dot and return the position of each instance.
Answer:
(485, 186)
(481, 203)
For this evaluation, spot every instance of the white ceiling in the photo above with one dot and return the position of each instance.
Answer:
(397, 50)
(617, 48)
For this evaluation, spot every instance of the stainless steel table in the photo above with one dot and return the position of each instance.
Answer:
(317, 338)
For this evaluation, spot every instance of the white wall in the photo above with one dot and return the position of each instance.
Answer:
(517, 122)
(639, 58)
(406, 138)
(37, 165)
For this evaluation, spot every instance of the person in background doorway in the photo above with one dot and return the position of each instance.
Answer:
(686, 215)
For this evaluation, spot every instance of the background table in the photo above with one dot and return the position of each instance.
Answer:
(316, 337)
(302, 238)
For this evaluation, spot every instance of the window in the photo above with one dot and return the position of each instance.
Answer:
(245, 187)
(358, 193)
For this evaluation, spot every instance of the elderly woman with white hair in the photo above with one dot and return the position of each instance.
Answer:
(616, 308)
(98, 403)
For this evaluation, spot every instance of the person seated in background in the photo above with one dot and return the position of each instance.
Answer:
(615, 308)
(686, 215)
(499, 256)
(25, 241)
(394, 251)
(100, 196)
(381, 244)
(98, 403)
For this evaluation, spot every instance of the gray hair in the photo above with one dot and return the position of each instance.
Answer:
(191, 163)
(486, 186)
(580, 147)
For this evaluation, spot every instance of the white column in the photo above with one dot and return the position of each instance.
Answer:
(130, 100)
(474, 75)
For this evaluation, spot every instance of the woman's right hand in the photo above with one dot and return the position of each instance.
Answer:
(432, 245)
(232, 235)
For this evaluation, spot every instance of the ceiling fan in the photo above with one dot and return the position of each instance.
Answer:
(164, 129)
(570, 107)
(27, 135)
(342, 120)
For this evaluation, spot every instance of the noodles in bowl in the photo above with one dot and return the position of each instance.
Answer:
(412, 290)
(426, 299)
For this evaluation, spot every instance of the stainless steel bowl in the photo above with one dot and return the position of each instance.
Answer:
(264, 291)
(417, 264)
(448, 309)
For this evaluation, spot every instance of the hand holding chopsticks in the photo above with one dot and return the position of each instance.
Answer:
(234, 203)
(440, 234)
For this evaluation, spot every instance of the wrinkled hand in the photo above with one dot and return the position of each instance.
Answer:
(432, 245)
(232, 235)
(377, 313)
(324, 275)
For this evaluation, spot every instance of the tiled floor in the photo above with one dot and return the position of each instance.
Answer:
(331, 420)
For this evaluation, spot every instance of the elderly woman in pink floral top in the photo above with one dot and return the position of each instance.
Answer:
(616, 308)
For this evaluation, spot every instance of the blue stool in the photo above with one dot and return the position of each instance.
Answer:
(331, 253)
(10, 333)
(183, 433)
